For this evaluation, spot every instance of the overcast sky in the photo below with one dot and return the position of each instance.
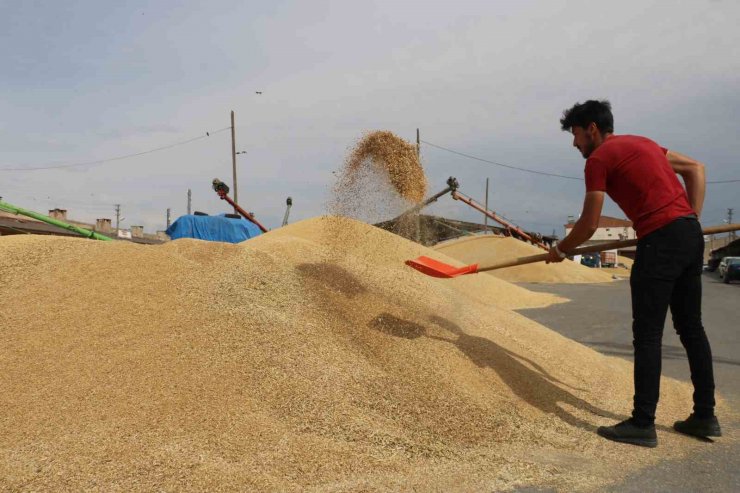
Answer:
(89, 80)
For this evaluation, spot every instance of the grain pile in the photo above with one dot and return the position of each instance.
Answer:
(275, 365)
(619, 271)
(489, 249)
(626, 261)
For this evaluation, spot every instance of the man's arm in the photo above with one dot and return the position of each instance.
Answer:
(584, 228)
(692, 172)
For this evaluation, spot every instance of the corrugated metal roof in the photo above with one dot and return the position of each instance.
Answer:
(11, 224)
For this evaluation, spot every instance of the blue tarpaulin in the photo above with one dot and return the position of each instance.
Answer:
(213, 228)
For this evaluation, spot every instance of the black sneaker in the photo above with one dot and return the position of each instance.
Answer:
(699, 427)
(628, 432)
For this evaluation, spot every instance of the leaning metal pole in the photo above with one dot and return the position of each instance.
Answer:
(510, 227)
(452, 185)
(289, 203)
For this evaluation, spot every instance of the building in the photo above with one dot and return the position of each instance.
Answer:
(730, 247)
(610, 229)
(12, 224)
(613, 229)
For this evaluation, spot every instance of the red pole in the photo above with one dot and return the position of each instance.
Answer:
(512, 228)
(241, 211)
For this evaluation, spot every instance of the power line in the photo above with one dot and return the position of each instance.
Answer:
(76, 203)
(722, 181)
(531, 170)
(60, 202)
(118, 158)
(501, 164)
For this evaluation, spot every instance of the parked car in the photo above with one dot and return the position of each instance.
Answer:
(723, 265)
(591, 260)
(732, 270)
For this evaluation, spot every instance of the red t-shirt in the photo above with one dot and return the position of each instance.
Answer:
(635, 173)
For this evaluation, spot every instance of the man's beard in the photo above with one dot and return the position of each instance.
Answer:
(587, 149)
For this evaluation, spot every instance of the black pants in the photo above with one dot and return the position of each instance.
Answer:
(667, 272)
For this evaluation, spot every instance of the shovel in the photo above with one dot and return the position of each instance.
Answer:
(435, 268)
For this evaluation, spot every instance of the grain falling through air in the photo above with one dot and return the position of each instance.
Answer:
(381, 177)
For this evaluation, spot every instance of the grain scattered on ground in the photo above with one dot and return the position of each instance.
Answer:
(278, 365)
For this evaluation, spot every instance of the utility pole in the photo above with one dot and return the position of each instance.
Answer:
(729, 221)
(233, 160)
(118, 218)
(168, 216)
(190, 197)
(485, 216)
(418, 145)
(415, 235)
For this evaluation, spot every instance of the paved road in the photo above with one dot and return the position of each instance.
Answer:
(600, 317)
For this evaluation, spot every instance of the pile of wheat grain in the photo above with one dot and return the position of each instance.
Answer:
(488, 249)
(278, 365)
(622, 271)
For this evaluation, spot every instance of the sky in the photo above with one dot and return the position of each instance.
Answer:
(91, 80)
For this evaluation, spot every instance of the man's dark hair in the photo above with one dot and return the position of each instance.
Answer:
(583, 114)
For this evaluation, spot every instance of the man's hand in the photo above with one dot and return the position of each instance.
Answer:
(586, 225)
(553, 256)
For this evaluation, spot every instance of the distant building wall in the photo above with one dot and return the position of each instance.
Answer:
(610, 229)
(60, 214)
(614, 233)
(718, 244)
(103, 225)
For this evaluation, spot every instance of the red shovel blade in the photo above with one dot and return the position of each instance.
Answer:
(435, 268)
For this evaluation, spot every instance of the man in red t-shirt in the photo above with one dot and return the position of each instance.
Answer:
(641, 177)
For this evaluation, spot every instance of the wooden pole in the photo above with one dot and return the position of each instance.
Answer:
(729, 221)
(485, 217)
(417, 224)
(233, 160)
(418, 145)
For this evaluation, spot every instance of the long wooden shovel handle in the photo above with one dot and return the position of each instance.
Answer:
(713, 230)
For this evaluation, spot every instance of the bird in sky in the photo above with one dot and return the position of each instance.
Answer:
(258, 92)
